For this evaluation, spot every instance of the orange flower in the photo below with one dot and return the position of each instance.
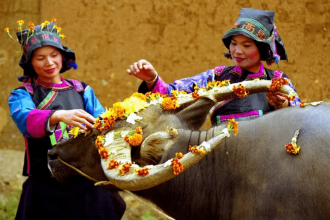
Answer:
(292, 148)
(98, 124)
(302, 104)
(113, 164)
(125, 168)
(103, 153)
(62, 36)
(178, 155)
(54, 19)
(177, 166)
(109, 121)
(291, 97)
(169, 103)
(135, 140)
(99, 141)
(232, 126)
(240, 91)
(195, 150)
(278, 83)
(140, 96)
(195, 95)
(138, 130)
(19, 28)
(142, 172)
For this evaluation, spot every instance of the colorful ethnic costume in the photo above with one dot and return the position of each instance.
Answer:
(31, 106)
(259, 26)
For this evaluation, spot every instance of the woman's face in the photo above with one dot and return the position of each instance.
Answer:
(245, 53)
(47, 63)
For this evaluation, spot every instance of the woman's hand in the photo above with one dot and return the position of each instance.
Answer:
(143, 70)
(277, 99)
(75, 117)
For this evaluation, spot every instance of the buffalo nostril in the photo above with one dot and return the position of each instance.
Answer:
(52, 155)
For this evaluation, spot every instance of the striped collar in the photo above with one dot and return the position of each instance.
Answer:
(252, 75)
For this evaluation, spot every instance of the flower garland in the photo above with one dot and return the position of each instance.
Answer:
(196, 150)
(177, 166)
(125, 168)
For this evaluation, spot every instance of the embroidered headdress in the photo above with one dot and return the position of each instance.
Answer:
(259, 26)
(45, 34)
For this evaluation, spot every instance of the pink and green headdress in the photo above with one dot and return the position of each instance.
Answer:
(259, 26)
(34, 37)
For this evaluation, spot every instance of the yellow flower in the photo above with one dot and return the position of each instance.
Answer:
(178, 155)
(6, 29)
(74, 131)
(119, 110)
(20, 22)
(140, 96)
(232, 126)
(46, 22)
(62, 36)
(58, 29)
(125, 168)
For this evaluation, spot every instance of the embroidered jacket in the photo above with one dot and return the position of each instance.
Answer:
(252, 106)
(31, 106)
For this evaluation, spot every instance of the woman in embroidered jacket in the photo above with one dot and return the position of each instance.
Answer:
(252, 39)
(44, 108)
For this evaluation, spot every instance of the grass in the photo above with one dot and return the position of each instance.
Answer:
(8, 205)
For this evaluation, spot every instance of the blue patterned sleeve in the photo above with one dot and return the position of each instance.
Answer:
(92, 104)
(188, 84)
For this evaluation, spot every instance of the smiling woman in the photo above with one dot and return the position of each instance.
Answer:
(44, 109)
(252, 39)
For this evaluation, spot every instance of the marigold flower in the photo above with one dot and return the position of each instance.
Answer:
(20, 22)
(179, 155)
(138, 130)
(177, 166)
(19, 28)
(232, 126)
(135, 140)
(98, 124)
(240, 91)
(302, 104)
(195, 95)
(195, 150)
(113, 164)
(103, 153)
(292, 97)
(292, 148)
(140, 96)
(54, 19)
(119, 110)
(6, 29)
(169, 103)
(100, 140)
(109, 122)
(142, 172)
(125, 168)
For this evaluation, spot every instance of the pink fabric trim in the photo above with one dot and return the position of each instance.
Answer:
(27, 155)
(254, 75)
(240, 115)
(218, 70)
(28, 88)
(160, 86)
(77, 85)
(36, 121)
(278, 74)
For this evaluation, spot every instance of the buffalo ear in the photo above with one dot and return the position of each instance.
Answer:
(194, 116)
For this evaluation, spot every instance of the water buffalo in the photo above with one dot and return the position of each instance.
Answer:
(247, 176)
